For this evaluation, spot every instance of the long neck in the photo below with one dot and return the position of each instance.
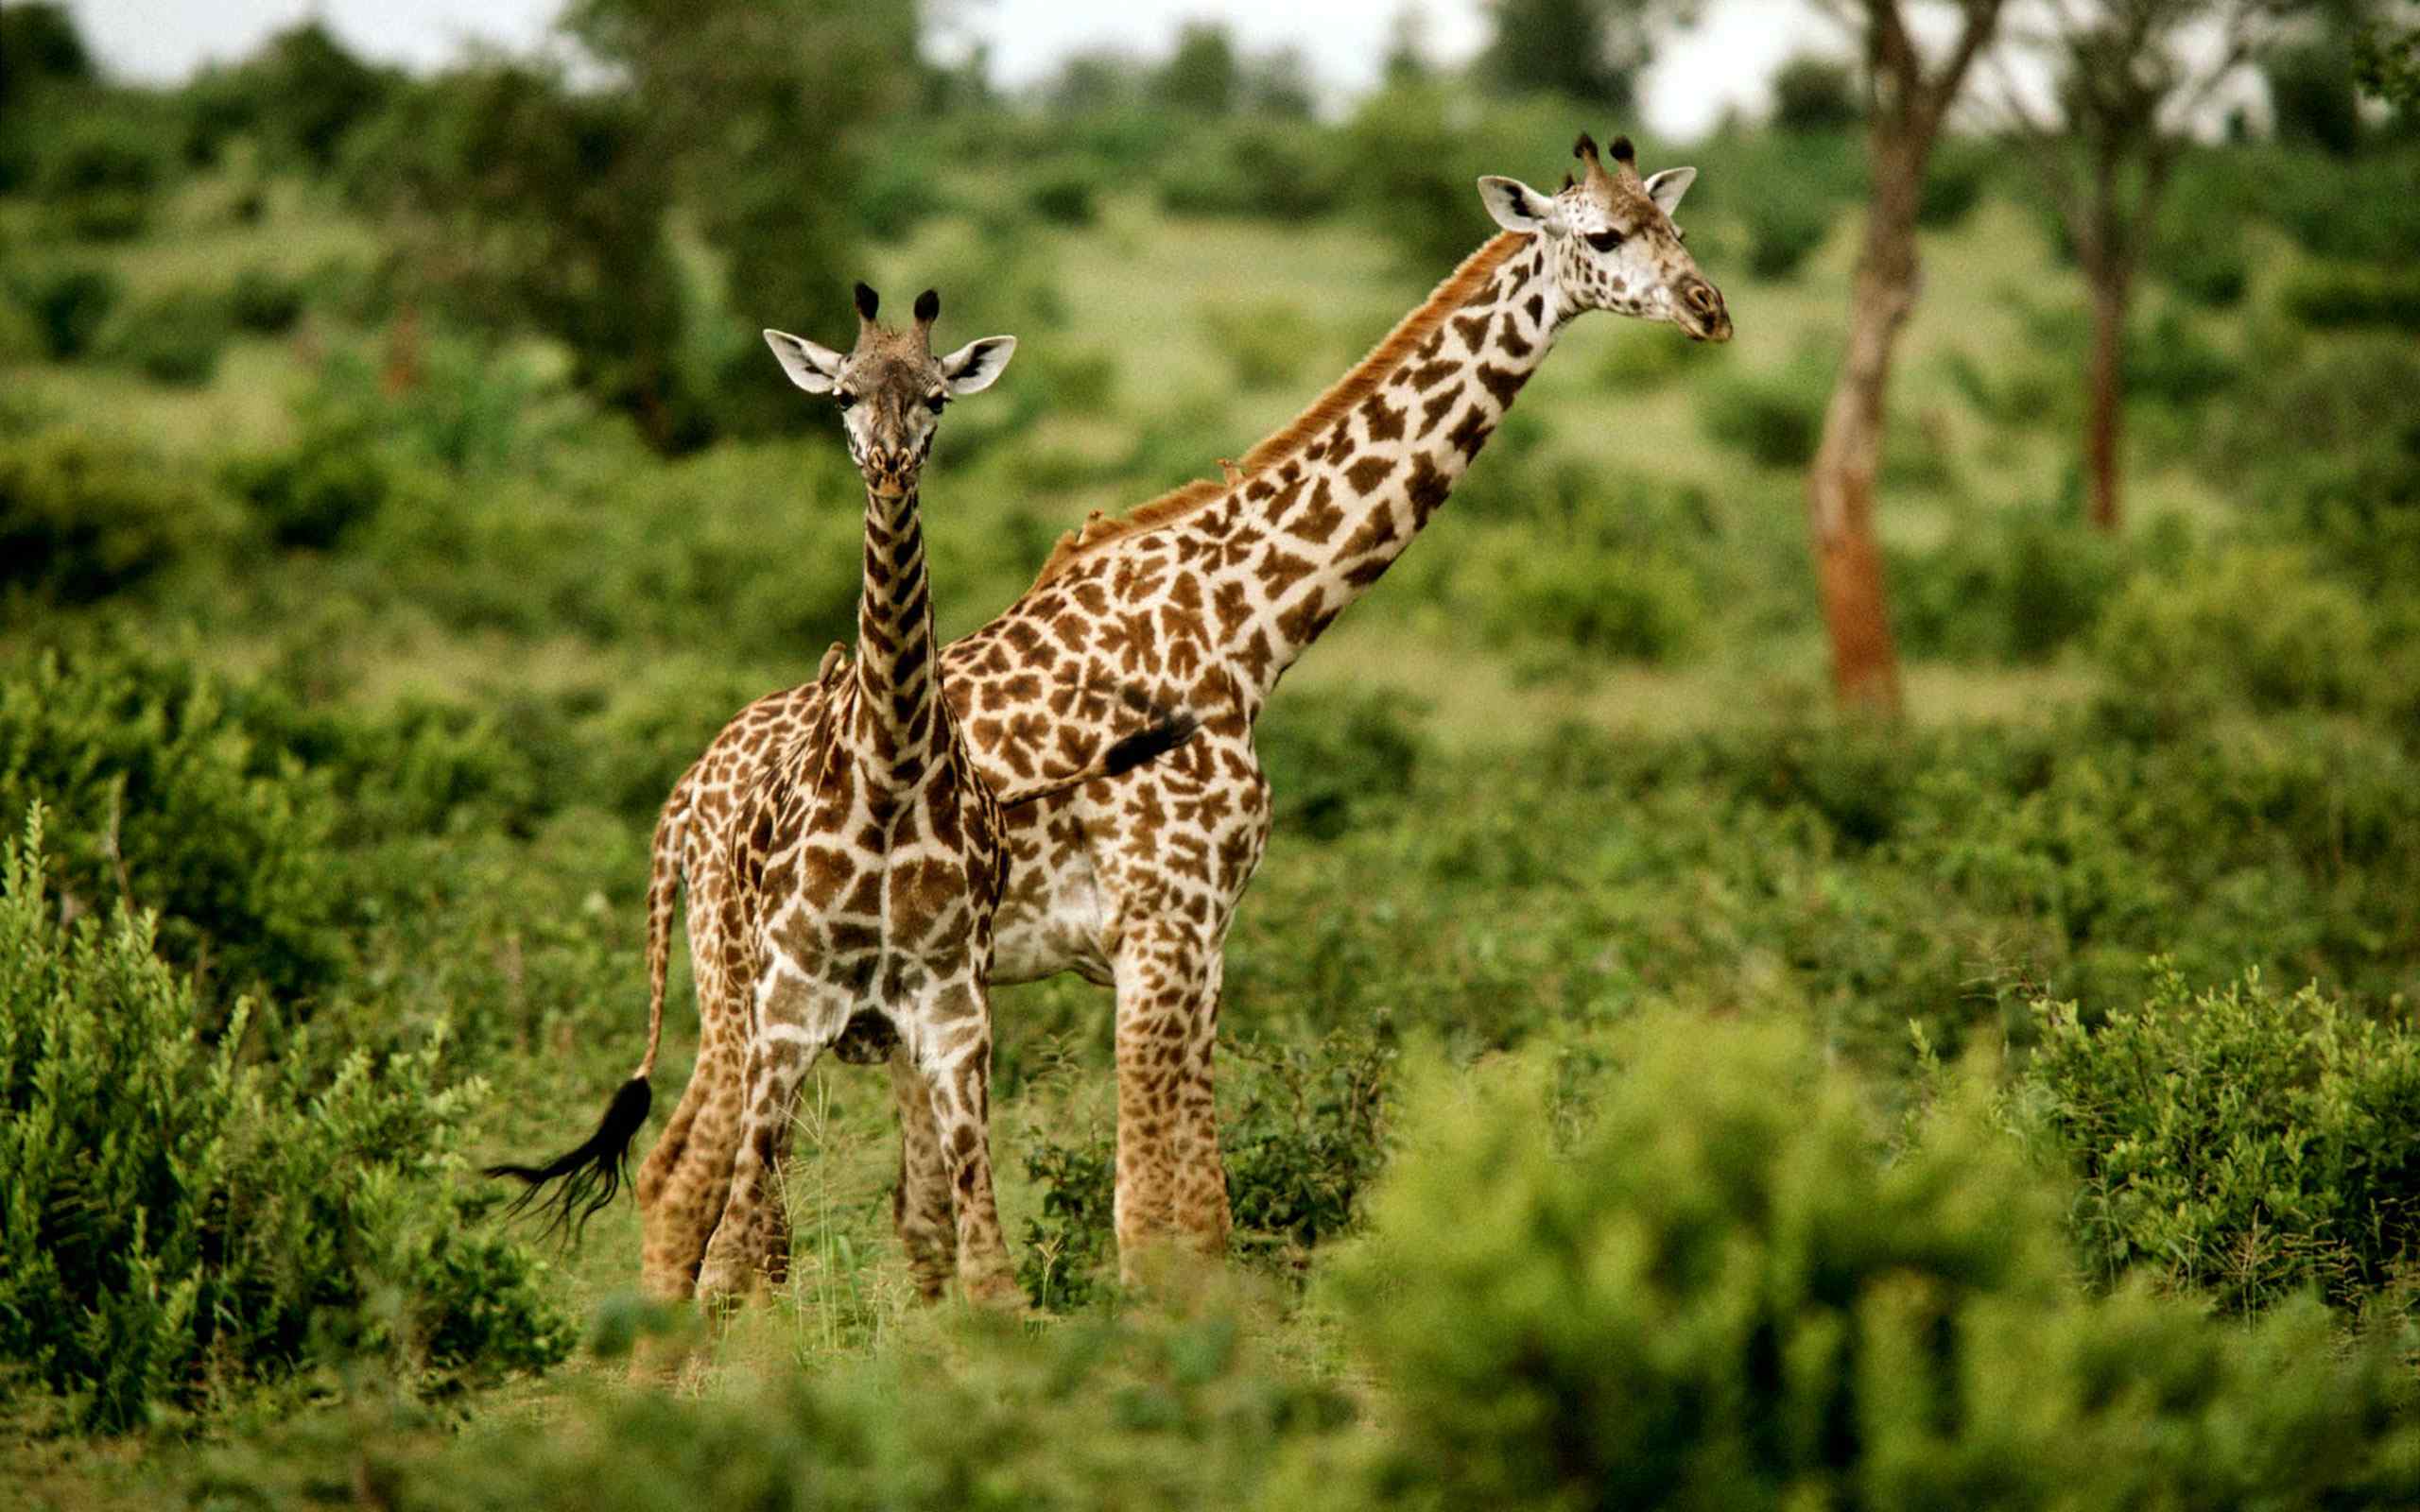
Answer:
(1336, 506)
(898, 726)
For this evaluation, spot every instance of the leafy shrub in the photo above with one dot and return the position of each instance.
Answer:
(2312, 95)
(2173, 363)
(1785, 224)
(167, 801)
(1722, 1295)
(2234, 1142)
(1955, 178)
(265, 302)
(177, 338)
(81, 518)
(1064, 198)
(2333, 296)
(2329, 445)
(1340, 763)
(1812, 94)
(1774, 419)
(1268, 344)
(101, 172)
(1604, 602)
(68, 306)
(2256, 625)
(316, 492)
(1304, 1132)
(2018, 588)
(181, 1223)
(2208, 266)
(1262, 169)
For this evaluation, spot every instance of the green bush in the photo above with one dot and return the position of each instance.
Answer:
(69, 306)
(265, 302)
(181, 1224)
(1724, 1294)
(1591, 602)
(1955, 178)
(2173, 364)
(1340, 763)
(1812, 94)
(2333, 296)
(2326, 445)
(316, 492)
(1265, 170)
(2019, 588)
(1270, 344)
(2234, 1142)
(101, 172)
(1785, 224)
(1774, 417)
(2256, 625)
(167, 799)
(176, 339)
(2208, 266)
(1064, 198)
(81, 518)
(1303, 1133)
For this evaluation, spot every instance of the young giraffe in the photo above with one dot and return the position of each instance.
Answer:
(1208, 595)
(866, 859)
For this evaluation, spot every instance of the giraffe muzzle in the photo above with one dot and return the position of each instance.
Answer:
(1701, 312)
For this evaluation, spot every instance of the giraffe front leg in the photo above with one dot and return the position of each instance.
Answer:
(1170, 1176)
(921, 1207)
(953, 1049)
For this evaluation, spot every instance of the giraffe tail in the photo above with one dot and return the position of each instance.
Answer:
(582, 1182)
(585, 1179)
(1166, 731)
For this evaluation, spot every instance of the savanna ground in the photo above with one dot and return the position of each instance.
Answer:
(1638, 1084)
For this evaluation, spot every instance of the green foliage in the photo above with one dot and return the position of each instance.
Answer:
(265, 302)
(1723, 1295)
(2326, 296)
(1201, 73)
(68, 306)
(2312, 95)
(2244, 1145)
(81, 518)
(1596, 600)
(167, 800)
(1268, 344)
(1814, 94)
(2019, 587)
(1786, 225)
(1340, 764)
(1588, 51)
(183, 1223)
(1774, 417)
(1955, 178)
(101, 173)
(1269, 170)
(2256, 625)
(39, 40)
(176, 338)
(2326, 444)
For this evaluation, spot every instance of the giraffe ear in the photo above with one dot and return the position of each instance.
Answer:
(972, 368)
(1518, 207)
(1666, 188)
(815, 368)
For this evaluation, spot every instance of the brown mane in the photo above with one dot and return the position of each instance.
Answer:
(1410, 333)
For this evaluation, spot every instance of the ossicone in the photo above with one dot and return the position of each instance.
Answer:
(868, 301)
(929, 306)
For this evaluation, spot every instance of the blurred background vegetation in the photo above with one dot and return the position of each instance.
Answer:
(394, 496)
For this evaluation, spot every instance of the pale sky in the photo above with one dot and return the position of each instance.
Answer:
(1723, 60)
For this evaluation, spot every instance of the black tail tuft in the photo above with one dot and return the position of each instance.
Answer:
(591, 1176)
(1149, 744)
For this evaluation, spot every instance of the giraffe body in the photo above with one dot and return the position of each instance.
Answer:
(1201, 600)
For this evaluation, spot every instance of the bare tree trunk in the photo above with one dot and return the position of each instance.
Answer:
(2104, 393)
(1839, 487)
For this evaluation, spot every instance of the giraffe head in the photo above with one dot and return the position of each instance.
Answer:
(1610, 244)
(891, 387)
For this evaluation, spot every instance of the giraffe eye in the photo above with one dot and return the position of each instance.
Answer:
(937, 403)
(1604, 241)
(843, 397)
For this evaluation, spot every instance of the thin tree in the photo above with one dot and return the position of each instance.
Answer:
(1908, 97)
(2128, 83)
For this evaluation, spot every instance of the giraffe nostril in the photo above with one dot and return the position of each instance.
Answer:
(1701, 299)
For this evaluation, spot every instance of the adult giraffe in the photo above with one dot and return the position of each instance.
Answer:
(1199, 600)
